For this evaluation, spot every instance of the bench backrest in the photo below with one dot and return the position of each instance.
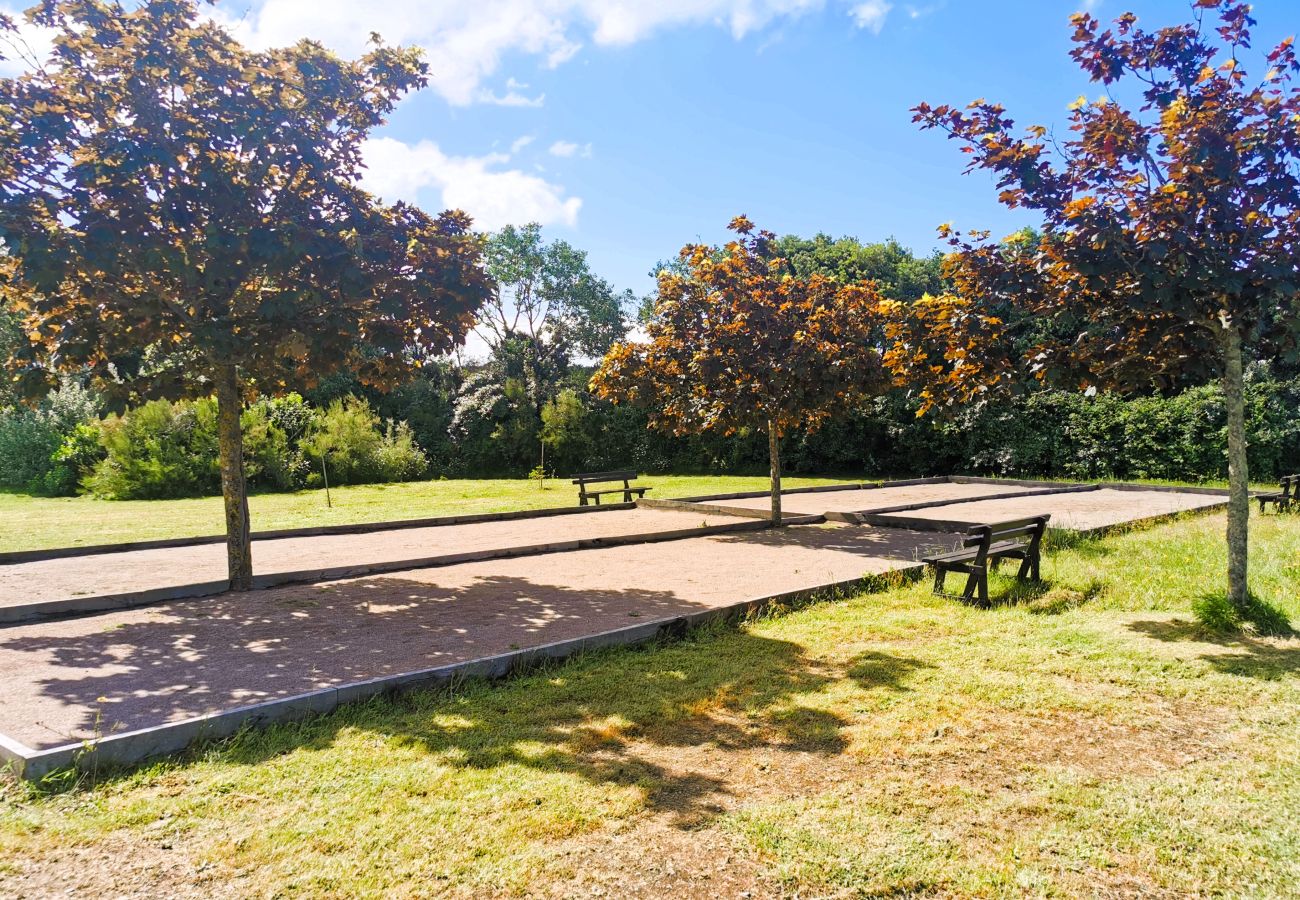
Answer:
(598, 477)
(1291, 487)
(1029, 531)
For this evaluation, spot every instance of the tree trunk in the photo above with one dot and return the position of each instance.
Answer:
(234, 490)
(774, 451)
(1238, 476)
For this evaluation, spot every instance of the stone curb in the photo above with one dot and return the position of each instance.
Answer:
(22, 556)
(858, 518)
(74, 606)
(137, 746)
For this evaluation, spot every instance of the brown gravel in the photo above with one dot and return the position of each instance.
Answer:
(137, 570)
(1080, 511)
(867, 499)
(187, 658)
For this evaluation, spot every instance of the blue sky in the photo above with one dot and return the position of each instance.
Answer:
(630, 127)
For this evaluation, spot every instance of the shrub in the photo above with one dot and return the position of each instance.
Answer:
(159, 450)
(31, 440)
(355, 451)
(398, 457)
(164, 450)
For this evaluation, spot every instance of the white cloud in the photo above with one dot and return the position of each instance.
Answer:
(514, 96)
(568, 149)
(493, 194)
(521, 142)
(871, 14)
(30, 43)
(467, 40)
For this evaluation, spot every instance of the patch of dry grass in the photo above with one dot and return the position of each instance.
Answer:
(1089, 739)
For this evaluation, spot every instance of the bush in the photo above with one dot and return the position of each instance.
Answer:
(159, 450)
(164, 450)
(355, 451)
(32, 442)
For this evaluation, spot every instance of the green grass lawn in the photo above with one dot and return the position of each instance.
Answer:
(37, 523)
(1089, 739)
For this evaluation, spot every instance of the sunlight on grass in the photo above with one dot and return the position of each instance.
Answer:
(35, 523)
(1091, 738)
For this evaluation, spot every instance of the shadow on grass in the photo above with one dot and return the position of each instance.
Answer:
(1245, 654)
(1220, 615)
(873, 670)
(635, 717)
(1044, 597)
(644, 718)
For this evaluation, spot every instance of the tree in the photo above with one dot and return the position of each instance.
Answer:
(183, 218)
(548, 292)
(898, 273)
(1170, 230)
(738, 341)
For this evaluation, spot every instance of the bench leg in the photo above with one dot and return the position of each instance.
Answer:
(1029, 568)
(977, 581)
(582, 500)
(940, 575)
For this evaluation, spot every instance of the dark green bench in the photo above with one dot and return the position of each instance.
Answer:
(585, 495)
(1285, 498)
(984, 547)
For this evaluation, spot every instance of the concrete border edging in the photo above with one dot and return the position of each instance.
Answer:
(22, 556)
(75, 606)
(853, 518)
(132, 747)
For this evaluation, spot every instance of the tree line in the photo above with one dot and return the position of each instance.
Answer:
(182, 219)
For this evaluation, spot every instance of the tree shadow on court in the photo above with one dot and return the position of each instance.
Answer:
(1242, 654)
(629, 718)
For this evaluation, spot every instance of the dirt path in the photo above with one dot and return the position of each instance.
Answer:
(816, 503)
(68, 680)
(113, 574)
(1079, 511)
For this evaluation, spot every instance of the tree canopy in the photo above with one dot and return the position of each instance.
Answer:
(182, 216)
(1170, 231)
(547, 292)
(739, 341)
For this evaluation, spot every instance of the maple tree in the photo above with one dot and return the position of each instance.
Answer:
(737, 341)
(182, 217)
(1169, 237)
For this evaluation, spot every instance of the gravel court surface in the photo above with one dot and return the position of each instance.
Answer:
(110, 574)
(71, 679)
(868, 499)
(1080, 511)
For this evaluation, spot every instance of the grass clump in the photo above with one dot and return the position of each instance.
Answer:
(1220, 615)
(1093, 739)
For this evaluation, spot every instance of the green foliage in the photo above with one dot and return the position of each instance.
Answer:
(358, 449)
(549, 293)
(33, 455)
(566, 432)
(899, 273)
(159, 450)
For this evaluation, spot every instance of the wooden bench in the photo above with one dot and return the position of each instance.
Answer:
(627, 490)
(1285, 498)
(984, 547)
